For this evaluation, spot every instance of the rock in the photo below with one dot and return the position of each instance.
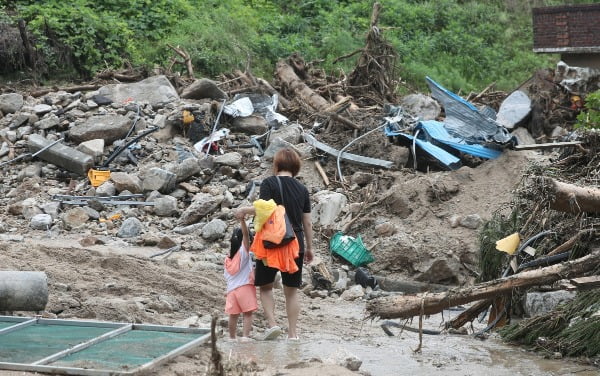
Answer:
(443, 270)
(166, 242)
(342, 281)
(101, 100)
(471, 221)
(88, 241)
(156, 90)
(74, 218)
(40, 222)
(30, 171)
(41, 109)
(422, 106)
(362, 178)
(250, 125)
(454, 220)
(157, 179)
(186, 169)
(202, 205)
(24, 131)
(203, 88)
(52, 208)
(30, 208)
(4, 149)
(537, 303)
(233, 159)
(523, 136)
(558, 132)
(130, 228)
(291, 133)
(514, 109)
(93, 148)
(165, 206)
(106, 189)
(60, 155)
(214, 230)
(92, 213)
(274, 146)
(327, 206)
(353, 293)
(385, 229)
(110, 128)
(11, 103)
(126, 182)
(397, 203)
(47, 122)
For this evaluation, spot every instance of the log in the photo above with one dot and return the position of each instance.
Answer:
(570, 198)
(322, 173)
(468, 315)
(289, 78)
(23, 291)
(412, 305)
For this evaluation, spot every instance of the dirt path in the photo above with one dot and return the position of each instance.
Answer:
(106, 283)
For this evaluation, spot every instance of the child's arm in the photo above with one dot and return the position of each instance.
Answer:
(245, 235)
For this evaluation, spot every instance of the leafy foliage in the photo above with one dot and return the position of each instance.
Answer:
(590, 118)
(465, 44)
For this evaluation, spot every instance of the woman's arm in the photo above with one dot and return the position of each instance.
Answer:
(308, 234)
(245, 235)
(241, 213)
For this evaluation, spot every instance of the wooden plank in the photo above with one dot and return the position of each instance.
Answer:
(586, 282)
(548, 145)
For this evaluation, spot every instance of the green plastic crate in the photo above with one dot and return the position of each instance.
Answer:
(350, 249)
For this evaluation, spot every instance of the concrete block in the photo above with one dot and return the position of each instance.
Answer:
(61, 155)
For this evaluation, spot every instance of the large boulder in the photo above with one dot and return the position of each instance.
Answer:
(214, 230)
(126, 182)
(250, 125)
(110, 128)
(327, 208)
(537, 303)
(11, 103)
(291, 133)
(514, 110)
(202, 205)
(422, 106)
(202, 89)
(157, 179)
(156, 90)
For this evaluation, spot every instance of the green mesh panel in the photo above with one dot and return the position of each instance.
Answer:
(6, 324)
(127, 351)
(38, 341)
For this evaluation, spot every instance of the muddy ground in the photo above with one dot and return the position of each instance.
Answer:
(120, 282)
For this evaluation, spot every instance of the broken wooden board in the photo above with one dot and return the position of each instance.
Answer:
(583, 283)
(548, 145)
(347, 156)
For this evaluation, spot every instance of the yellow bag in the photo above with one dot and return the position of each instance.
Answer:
(264, 209)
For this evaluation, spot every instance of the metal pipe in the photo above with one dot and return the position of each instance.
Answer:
(215, 125)
(347, 146)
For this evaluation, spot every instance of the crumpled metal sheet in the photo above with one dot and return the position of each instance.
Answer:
(465, 121)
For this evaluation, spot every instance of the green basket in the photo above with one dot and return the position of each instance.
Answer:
(350, 249)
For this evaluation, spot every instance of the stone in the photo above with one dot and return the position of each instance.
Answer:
(165, 206)
(202, 205)
(166, 242)
(385, 229)
(327, 207)
(214, 230)
(186, 230)
(101, 100)
(92, 213)
(74, 218)
(537, 303)
(52, 208)
(157, 179)
(30, 171)
(514, 109)
(202, 89)
(110, 128)
(558, 132)
(250, 125)
(40, 222)
(4, 149)
(353, 293)
(126, 182)
(291, 133)
(233, 159)
(523, 136)
(11, 103)
(47, 122)
(443, 270)
(454, 220)
(186, 169)
(93, 148)
(130, 228)
(362, 178)
(61, 155)
(422, 106)
(472, 221)
(342, 281)
(19, 120)
(106, 189)
(41, 109)
(156, 90)
(275, 145)
(30, 208)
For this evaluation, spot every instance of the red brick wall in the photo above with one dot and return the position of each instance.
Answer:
(566, 26)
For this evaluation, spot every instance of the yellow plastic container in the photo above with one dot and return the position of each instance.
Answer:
(98, 177)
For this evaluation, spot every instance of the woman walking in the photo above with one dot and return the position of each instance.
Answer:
(285, 190)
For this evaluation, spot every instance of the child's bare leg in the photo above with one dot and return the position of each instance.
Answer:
(233, 319)
(247, 324)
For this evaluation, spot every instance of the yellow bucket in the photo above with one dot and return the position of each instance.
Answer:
(98, 177)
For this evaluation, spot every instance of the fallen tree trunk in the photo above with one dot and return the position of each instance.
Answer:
(413, 305)
(290, 79)
(570, 198)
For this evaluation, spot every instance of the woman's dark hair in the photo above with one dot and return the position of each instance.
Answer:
(236, 241)
(287, 159)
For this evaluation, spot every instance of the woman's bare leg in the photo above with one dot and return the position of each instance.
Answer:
(292, 307)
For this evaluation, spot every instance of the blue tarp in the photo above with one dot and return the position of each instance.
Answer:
(465, 121)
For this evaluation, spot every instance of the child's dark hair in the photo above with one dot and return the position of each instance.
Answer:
(236, 241)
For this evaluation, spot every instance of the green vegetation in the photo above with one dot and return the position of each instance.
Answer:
(464, 44)
(590, 117)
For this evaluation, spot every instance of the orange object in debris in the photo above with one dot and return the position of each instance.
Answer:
(98, 177)
(188, 118)
(113, 217)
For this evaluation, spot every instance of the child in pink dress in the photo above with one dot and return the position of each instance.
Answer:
(239, 273)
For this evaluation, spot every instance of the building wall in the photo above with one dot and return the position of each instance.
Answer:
(567, 28)
(582, 60)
